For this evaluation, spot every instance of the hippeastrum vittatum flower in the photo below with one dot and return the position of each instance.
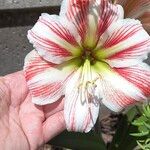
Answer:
(138, 9)
(88, 55)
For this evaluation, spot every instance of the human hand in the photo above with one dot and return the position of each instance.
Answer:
(23, 125)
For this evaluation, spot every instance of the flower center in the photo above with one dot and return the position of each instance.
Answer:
(88, 55)
(89, 74)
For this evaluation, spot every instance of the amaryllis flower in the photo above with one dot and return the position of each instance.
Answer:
(88, 55)
(139, 9)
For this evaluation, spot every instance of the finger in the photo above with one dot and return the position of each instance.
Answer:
(31, 118)
(53, 126)
(4, 97)
(53, 108)
(48, 110)
(18, 87)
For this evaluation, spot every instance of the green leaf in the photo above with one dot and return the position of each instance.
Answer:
(140, 121)
(147, 125)
(140, 134)
(141, 146)
(146, 110)
(79, 141)
(148, 141)
(144, 145)
(143, 128)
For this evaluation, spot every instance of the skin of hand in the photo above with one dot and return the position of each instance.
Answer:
(24, 125)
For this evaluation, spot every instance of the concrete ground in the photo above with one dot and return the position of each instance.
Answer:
(22, 4)
(15, 21)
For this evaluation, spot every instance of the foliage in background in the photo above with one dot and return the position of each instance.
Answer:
(143, 124)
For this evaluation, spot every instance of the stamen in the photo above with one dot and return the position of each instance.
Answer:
(87, 89)
(87, 85)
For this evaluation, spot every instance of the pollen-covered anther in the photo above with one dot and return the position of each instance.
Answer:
(88, 89)
(91, 86)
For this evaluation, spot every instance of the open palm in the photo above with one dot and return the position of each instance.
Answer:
(23, 125)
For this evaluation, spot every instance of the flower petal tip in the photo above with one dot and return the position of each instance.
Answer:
(40, 102)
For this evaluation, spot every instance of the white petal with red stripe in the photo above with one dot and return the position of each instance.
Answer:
(116, 92)
(91, 17)
(125, 43)
(45, 80)
(55, 39)
(81, 106)
(138, 75)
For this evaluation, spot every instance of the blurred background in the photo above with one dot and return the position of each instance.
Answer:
(16, 18)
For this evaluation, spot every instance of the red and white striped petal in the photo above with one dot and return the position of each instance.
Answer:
(124, 43)
(55, 39)
(81, 109)
(138, 75)
(45, 80)
(108, 14)
(116, 92)
(76, 11)
(91, 17)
